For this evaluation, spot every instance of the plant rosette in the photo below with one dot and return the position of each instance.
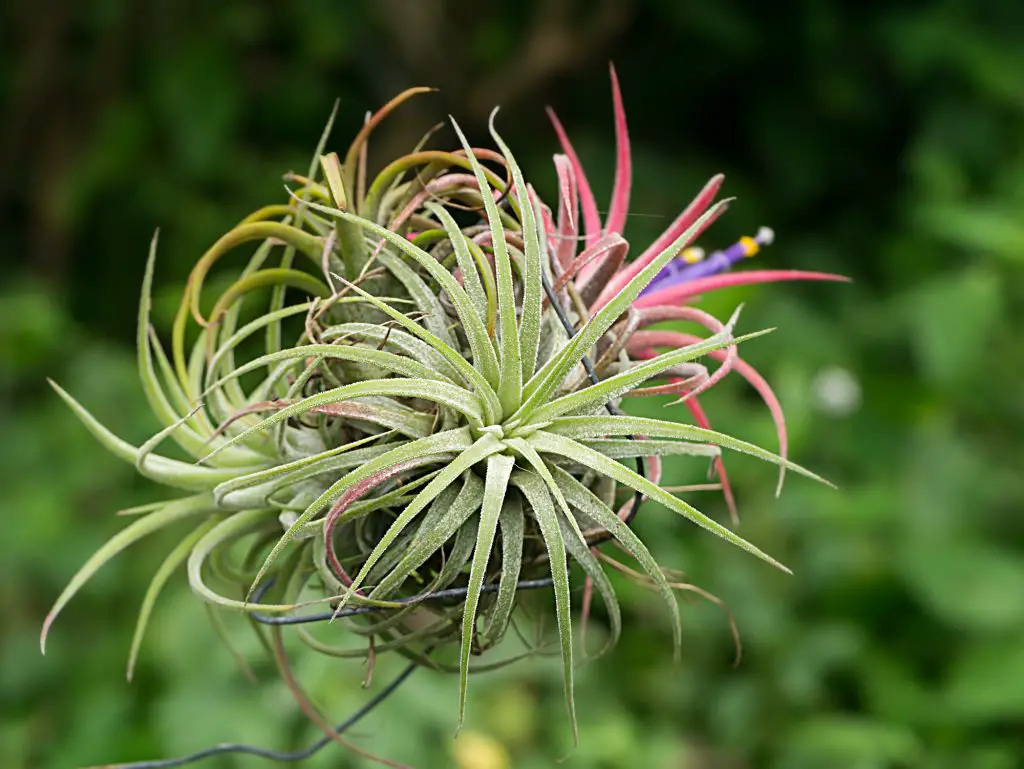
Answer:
(423, 419)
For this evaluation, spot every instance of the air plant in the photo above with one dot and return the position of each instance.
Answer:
(433, 423)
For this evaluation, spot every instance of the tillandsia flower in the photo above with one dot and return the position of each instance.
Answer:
(433, 424)
(600, 271)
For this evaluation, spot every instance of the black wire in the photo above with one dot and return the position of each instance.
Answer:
(277, 755)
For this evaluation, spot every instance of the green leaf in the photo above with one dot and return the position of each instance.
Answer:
(269, 277)
(425, 298)
(222, 405)
(451, 440)
(512, 531)
(595, 426)
(352, 246)
(540, 466)
(462, 548)
(229, 530)
(308, 244)
(306, 467)
(136, 530)
(480, 385)
(447, 395)
(169, 472)
(147, 448)
(614, 386)
(510, 386)
(566, 447)
(529, 325)
(174, 559)
(331, 165)
(588, 503)
(186, 437)
(384, 412)
(386, 336)
(436, 162)
(227, 347)
(468, 266)
(582, 554)
(482, 351)
(273, 333)
(438, 526)
(228, 402)
(479, 341)
(396, 364)
(499, 468)
(480, 450)
(623, 448)
(537, 495)
(181, 404)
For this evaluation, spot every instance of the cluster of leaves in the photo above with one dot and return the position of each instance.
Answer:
(398, 441)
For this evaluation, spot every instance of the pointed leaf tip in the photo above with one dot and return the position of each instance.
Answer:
(47, 624)
(618, 209)
(588, 204)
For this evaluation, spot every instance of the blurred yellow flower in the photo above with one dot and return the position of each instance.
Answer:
(473, 750)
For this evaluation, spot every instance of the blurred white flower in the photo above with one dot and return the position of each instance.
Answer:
(836, 392)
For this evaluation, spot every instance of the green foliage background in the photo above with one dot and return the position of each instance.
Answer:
(882, 141)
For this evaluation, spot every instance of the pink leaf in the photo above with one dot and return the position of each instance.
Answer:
(666, 312)
(644, 340)
(445, 183)
(591, 217)
(616, 284)
(568, 204)
(619, 207)
(730, 500)
(594, 253)
(588, 597)
(677, 385)
(702, 421)
(682, 223)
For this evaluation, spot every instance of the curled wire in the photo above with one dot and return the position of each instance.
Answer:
(275, 755)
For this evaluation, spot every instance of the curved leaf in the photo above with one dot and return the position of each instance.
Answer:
(139, 528)
(499, 468)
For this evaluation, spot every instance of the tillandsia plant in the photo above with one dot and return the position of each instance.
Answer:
(425, 419)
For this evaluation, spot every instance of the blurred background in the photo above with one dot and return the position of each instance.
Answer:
(883, 141)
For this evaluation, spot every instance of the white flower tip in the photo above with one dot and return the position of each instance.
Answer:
(765, 236)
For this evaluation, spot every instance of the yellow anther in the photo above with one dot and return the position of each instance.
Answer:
(750, 246)
(693, 255)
